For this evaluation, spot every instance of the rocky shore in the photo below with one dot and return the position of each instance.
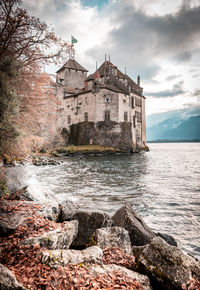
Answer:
(68, 246)
(47, 245)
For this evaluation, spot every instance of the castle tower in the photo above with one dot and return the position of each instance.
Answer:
(72, 74)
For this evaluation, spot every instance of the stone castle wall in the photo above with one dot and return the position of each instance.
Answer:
(104, 133)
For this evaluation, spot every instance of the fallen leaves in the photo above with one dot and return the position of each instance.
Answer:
(25, 260)
(117, 256)
(192, 284)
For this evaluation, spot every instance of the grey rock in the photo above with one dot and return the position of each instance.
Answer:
(43, 160)
(7, 228)
(113, 237)
(169, 239)
(166, 265)
(67, 209)
(21, 194)
(106, 269)
(50, 211)
(55, 258)
(140, 234)
(58, 239)
(9, 221)
(8, 280)
(88, 223)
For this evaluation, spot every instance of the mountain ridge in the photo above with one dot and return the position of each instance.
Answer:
(175, 128)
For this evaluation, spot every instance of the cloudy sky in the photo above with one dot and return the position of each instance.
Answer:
(158, 39)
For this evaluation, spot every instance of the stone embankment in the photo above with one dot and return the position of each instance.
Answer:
(67, 246)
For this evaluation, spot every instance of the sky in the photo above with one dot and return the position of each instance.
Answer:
(157, 39)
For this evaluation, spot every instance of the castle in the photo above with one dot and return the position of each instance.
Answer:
(105, 108)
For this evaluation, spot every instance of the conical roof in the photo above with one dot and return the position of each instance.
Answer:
(72, 64)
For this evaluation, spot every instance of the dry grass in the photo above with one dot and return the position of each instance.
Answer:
(87, 148)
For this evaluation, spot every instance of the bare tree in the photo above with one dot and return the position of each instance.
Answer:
(26, 39)
(25, 43)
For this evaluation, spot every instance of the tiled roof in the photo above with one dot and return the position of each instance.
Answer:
(104, 68)
(72, 64)
(115, 89)
(90, 77)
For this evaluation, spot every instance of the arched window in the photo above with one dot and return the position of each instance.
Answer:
(86, 116)
(107, 116)
(125, 116)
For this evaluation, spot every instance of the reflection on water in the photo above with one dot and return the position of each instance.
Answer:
(162, 185)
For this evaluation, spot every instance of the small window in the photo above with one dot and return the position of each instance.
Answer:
(86, 101)
(138, 102)
(69, 119)
(125, 116)
(134, 122)
(138, 116)
(107, 116)
(132, 103)
(86, 116)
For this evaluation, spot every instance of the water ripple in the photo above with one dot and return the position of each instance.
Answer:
(162, 185)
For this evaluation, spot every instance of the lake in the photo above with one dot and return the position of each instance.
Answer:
(162, 185)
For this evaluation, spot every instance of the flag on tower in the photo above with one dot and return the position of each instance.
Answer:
(74, 40)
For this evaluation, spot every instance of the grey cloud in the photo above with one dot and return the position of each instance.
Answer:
(172, 77)
(183, 56)
(141, 41)
(175, 91)
(196, 93)
(171, 34)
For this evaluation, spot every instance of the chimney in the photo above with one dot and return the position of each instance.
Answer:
(138, 80)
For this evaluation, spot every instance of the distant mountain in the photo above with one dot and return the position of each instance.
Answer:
(175, 129)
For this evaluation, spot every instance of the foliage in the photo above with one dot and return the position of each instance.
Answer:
(8, 103)
(24, 38)
(26, 43)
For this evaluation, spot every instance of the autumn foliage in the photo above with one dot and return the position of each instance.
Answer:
(26, 44)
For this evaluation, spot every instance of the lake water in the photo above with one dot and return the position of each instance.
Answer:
(162, 185)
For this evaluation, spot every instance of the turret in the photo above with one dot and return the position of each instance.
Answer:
(138, 80)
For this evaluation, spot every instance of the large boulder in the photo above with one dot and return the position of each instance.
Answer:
(64, 257)
(88, 223)
(60, 238)
(13, 213)
(107, 269)
(166, 265)
(140, 234)
(113, 237)
(8, 280)
(67, 210)
(9, 219)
